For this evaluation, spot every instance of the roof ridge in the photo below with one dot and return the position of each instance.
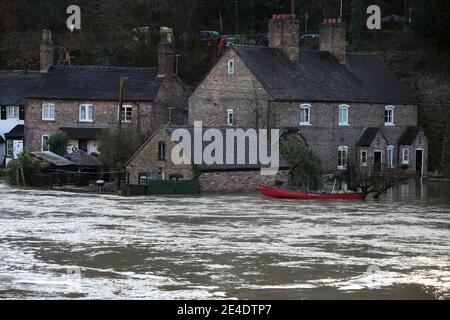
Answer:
(98, 67)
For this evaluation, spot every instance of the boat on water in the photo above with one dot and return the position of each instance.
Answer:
(290, 194)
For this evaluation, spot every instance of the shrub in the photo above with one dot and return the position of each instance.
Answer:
(58, 143)
(21, 170)
(306, 168)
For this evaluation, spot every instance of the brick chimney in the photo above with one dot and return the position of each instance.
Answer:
(284, 34)
(47, 50)
(166, 53)
(332, 38)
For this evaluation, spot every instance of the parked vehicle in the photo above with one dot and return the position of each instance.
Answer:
(209, 37)
(310, 40)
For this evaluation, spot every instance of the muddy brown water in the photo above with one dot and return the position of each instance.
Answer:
(66, 245)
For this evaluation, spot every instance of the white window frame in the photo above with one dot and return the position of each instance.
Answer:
(342, 108)
(10, 149)
(405, 155)
(305, 108)
(143, 178)
(390, 156)
(123, 113)
(87, 114)
(42, 142)
(390, 123)
(364, 163)
(230, 117)
(51, 115)
(342, 149)
(231, 67)
(12, 112)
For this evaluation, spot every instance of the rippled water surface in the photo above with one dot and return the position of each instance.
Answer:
(66, 245)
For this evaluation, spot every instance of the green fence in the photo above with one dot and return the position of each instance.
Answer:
(166, 187)
(173, 187)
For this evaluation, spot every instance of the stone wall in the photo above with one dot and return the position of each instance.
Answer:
(324, 135)
(219, 92)
(147, 159)
(420, 142)
(238, 181)
(332, 39)
(379, 143)
(284, 34)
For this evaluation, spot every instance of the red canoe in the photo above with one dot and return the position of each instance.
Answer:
(289, 194)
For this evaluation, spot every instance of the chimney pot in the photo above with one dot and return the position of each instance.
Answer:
(166, 53)
(284, 34)
(333, 38)
(46, 51)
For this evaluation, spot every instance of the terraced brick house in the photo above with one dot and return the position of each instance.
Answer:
(348, 107)
(82, 101)
(14, 88)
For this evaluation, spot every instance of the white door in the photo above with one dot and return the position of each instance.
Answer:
(17, 148)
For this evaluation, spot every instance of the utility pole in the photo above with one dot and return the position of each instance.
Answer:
(236, 4)
(121, 95)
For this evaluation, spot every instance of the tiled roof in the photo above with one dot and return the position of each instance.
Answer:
(53, 158)
(409, 136)
(318, 76)
(82, 159)
(15, 86)
(16, 132)
(98, 83)
(82, 133)
(367, 137)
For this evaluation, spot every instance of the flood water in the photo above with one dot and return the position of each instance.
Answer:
(67, 245)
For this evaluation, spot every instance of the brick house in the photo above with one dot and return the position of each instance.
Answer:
(153, 161)
(82, 101)
(332, 98)
(14, 88)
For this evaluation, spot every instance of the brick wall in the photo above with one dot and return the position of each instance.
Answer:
(147, 159)
(332, 39)
(284, 34)
(420, 142)
(105, 114)
(219, 92)
(324, 136)
(238, 181)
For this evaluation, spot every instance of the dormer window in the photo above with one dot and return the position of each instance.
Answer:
(343, 115)
(305, 115)
(230, 66)
(230, 117)
(389, 116)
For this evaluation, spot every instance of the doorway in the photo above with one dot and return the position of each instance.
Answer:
(419, 162)
(83, 145)
(377, 160)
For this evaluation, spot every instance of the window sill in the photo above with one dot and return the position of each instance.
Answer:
(49, 120)
(342, 168)
(344, 125)
(305, 124)
(389, 125)
(86, 121)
